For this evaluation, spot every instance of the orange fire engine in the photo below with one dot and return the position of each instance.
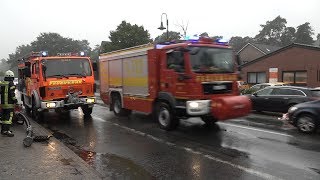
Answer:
(56, 83)
(194, 78)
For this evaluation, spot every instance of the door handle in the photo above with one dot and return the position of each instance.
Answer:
(266, 98)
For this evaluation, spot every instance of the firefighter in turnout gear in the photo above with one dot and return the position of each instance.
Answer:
(8, 101)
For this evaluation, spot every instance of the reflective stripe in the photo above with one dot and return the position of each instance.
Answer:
(8, 121)
(5, 95)
(7, 106)
(13, 87)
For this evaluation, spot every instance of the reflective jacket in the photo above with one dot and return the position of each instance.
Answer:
(8, 97)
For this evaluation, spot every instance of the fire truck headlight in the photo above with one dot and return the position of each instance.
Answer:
(51, 105)
(194, 104)
(90, 100)
(198, 107)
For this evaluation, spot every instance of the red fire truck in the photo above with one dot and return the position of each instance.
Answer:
(194, 78)
(56, 83)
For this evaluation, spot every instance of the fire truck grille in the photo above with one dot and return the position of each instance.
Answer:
(77, 89)
(217, 88)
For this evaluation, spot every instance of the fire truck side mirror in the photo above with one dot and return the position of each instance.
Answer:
(238, 62)
(94, 66)
(27, 72)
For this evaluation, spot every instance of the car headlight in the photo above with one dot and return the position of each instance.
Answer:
(51, 105)
(90, 100)
(292, 109)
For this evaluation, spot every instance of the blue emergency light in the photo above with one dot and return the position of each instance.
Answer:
(222, 41)
(44, 53)
(82, 53)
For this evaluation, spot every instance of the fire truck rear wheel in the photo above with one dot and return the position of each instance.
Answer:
(117, 107)
(165, 116)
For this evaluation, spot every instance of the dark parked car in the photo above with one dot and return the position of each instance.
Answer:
(281, 98)
(305, 116)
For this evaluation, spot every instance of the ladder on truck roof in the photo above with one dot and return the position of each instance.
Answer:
(127, 51)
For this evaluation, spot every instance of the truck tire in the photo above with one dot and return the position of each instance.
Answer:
(28, 110)
(165, 116)
(36, 115)
(306, 123)
(87, 111)
(117, 107)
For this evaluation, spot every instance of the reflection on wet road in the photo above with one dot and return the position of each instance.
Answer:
(135, 148)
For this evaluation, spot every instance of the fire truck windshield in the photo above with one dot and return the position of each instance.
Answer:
(66, 67)
(211, 60)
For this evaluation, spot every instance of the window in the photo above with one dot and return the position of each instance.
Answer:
(287, 92)
(34, 68)
(37, 68)
(256, 77)
(265, 92)
(295, 77)
(175, 61)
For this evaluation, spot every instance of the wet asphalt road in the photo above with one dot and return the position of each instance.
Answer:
(253, 147)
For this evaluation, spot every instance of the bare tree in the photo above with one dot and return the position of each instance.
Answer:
(184, 27)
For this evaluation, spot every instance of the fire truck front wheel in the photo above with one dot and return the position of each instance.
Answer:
(165, 116)
(37, 115)
(117, 107)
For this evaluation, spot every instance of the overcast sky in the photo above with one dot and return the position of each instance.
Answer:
(21, 21)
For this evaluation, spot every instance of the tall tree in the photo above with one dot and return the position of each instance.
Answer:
(54, 43)
(127, 35)
(304, 34)
(94, 54)
(204, 34)
(172, 36)
(19, 53)
(317, 43)
(51, 42)
(238, 42)
(288, 36)
(216, 37)
(184, 28)
(272, 31)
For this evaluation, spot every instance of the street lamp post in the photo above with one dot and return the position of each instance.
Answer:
(162, 27)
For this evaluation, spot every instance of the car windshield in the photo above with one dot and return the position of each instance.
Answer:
(66, 67)
(211, 60)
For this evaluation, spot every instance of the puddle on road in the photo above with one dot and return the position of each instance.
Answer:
(112, 166)
(108, 165)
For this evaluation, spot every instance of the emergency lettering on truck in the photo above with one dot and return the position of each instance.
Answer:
(56, 83)
(173, 81)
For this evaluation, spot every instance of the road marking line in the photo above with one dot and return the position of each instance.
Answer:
(254, 129)
(190, 150)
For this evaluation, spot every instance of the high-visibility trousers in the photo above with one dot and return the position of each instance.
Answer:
(6, 116)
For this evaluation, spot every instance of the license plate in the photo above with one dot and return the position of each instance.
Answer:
(219, 87)
(51, 110)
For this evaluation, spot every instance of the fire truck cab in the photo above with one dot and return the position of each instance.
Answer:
(56, 83)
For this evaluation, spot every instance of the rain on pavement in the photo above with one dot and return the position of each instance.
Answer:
(135, 147)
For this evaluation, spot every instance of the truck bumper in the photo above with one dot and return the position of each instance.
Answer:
(221, 108)
(55, 105)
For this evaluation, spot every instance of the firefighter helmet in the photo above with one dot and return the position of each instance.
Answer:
(9, 74)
